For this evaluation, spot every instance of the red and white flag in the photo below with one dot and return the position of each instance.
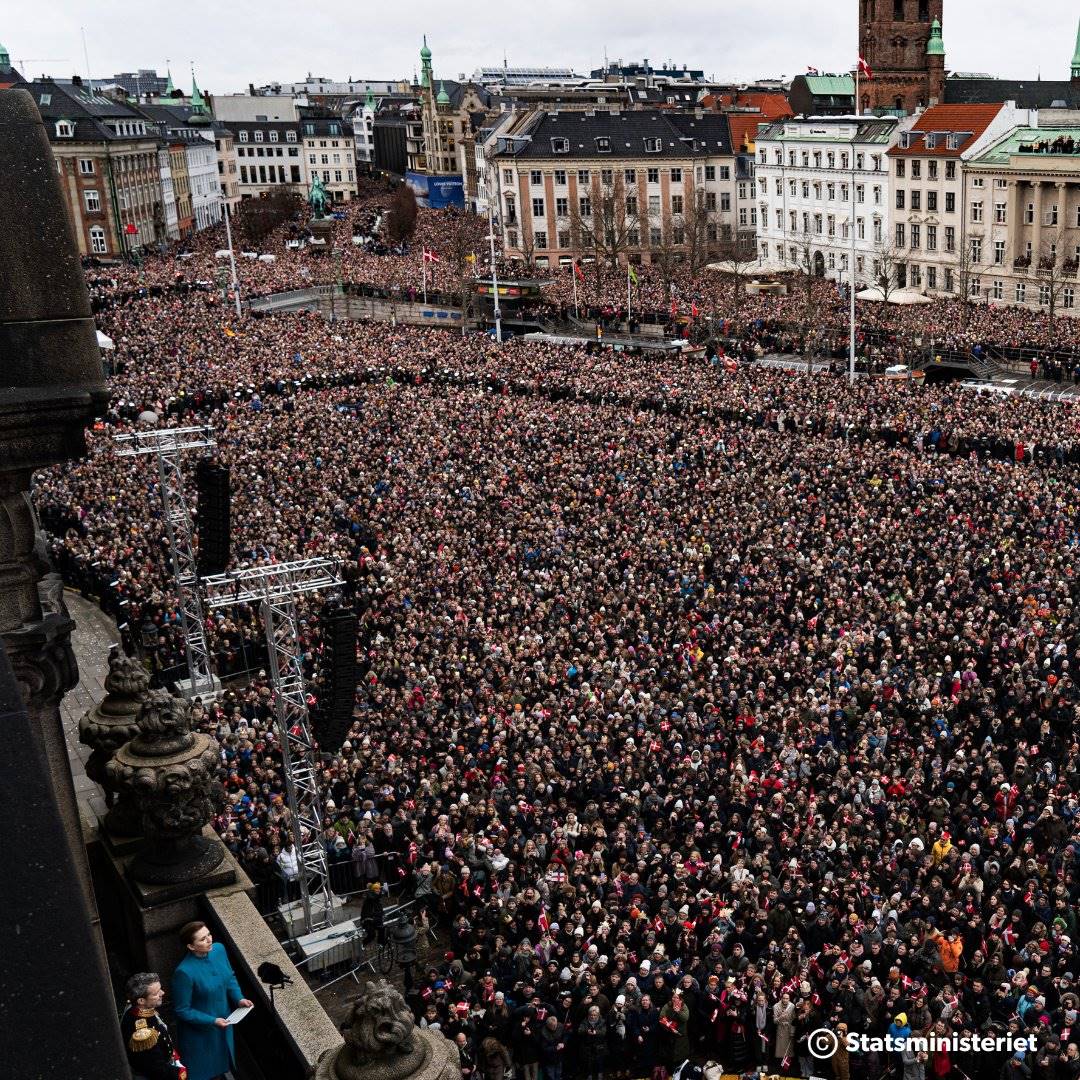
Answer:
(430, 256)
(864, 69)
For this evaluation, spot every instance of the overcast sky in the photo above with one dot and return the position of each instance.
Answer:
(236, 42)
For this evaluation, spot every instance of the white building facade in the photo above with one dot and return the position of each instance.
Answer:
(816, 176)
(207, 201)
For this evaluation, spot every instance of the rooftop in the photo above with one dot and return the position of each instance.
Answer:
(1023, 141)
(970, 121)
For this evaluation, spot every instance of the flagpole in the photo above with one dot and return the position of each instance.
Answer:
(857, 105)
(628, 296)
(573, 277)
(423, 272)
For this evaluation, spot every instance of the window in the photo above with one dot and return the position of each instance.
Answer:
(916, 276)
(1050, 217)
(652, 145)
(538, 208)
(654, 235)
(817, 159)
(1068, 297)
(1021, 292)
(631, 205)
(678, 235)
(931, 238)
(630, 175)
(45, 99)
(817, 221)
(540, 239)
(761, 156)
(900, 199)
(976, 249)
(999, 252)
(831, 225)
(583, 176)
(710, 200)
(997, 290)
(901, 239)
(676, 204)
(633, 237)
(603, 144)
(950, 238)
(860, 228)
(508, 176)
(916, 237)
(877, 195)
(950, 170)
(931, 277)
(258, 136)
(805, 159)
(606, 177)
(654, 204)
(978, 182)
(511, 211)
(273, 136)
(562, 207)
(950, 202)
(725, 202)
(832, 260)
(929, 141)
(64, 129)
(898, 10)
(564, 238)
(916, 169)
(977, 212)
(931, 202)
(780, 219)
(710, 172)
(831, 189)
(794, 220)
(86, 166)
(725, 172)
(536, 177)
(585, 206)
(931, 169)
(806, 189)
(512, 238)
(676, 176)
(93, 200)
(948, 280)
(653, 176)
(98, 246)
(901, 168)
(1044, 295)
(916, 200)
(290, 136)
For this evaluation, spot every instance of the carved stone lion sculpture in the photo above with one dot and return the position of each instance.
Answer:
(383, 1043)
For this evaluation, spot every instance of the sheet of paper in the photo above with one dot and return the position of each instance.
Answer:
(238, 1014)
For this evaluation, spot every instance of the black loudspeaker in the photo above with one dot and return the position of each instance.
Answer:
(335, 713)
(213, 519)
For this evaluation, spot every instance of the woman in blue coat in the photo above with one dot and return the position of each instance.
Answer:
(205, 991)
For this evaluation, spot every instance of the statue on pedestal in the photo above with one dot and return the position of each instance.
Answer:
(383, 1043)
(317, 199)
(110, 724)
(170, 774)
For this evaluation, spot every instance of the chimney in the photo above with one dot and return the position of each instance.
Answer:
(76, 80)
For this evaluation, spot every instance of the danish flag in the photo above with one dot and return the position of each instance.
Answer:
(430, 256)
(864, 69)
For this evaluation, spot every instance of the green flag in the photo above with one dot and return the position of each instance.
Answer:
(630, 273)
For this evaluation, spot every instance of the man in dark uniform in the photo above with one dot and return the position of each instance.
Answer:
(146, 1036)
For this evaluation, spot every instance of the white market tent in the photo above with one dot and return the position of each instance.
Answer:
(104, 341)
(897, 296)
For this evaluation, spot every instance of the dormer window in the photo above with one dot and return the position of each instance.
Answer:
(243, 136)
(45, 99)
(290, 136)
(273, 136)
(64, 129)
(560, 146)
(258, 136)
(930, 140)
(309, 129)
(335, 129)
(905, 140)
(956, 139)
(603, 145)
(652, 145)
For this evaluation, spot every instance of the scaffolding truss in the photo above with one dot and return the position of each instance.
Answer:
(274, 588)
(167, 444)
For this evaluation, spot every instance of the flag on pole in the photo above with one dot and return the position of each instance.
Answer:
(693, 309)
(630, 273)
(674, 307)
(864, 69)
(578, 271)
(471, 258)
(430, 256)
(812, 71)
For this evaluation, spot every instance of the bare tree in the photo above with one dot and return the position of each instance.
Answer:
(605, 224)
(402, 214)
(257, 218)
(669, 254)
(1050, 276)
(464, 233)
(703, 243)
(965, 273)
(735, 258)
(889, 258)
(806, 263)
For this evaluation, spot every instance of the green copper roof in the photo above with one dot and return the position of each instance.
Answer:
(1076, 55)
(425, 52)
(169, 88)
(443, 97)
(838, 85)
(1029, 138)
(5, 57)
(935, 46)
(369, 101)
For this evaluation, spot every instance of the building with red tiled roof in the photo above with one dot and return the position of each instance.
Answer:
(937, 242)
(771, 105)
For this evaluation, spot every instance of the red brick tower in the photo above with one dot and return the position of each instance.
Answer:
(893, 39)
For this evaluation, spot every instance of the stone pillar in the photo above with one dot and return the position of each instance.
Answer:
(1061, 197)
(52, 388)
(1015, 224)
(1036, 228)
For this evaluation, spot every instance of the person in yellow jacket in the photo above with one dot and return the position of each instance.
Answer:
(941, 848)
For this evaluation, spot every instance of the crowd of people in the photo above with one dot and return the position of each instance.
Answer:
(699, 706)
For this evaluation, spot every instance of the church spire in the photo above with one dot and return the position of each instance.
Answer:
(200, 114)
(1076, 55)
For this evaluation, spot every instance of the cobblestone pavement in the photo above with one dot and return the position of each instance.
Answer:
(94, 633)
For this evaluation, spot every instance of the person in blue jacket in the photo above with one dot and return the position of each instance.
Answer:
(205, 991)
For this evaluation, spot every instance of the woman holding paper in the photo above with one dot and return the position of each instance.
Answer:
(205, 992)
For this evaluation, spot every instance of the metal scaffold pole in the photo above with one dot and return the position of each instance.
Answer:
(167, 444)
(274, 588)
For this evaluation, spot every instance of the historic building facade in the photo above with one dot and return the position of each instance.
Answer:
(901, 42)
